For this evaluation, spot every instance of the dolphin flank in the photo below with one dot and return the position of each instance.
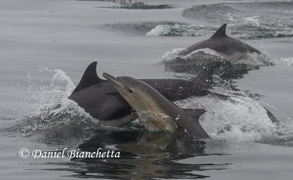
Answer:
(155, 111)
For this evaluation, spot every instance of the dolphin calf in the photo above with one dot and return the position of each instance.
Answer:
(102, 101)
(230, 48)
(155, 111)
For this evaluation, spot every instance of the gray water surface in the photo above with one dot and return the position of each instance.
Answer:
(46, 45)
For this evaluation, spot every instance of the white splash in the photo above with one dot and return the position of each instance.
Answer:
(160, 30)
(51, 103)
(255, 59)
(180, 30)
(284, 61)
(236, 119)
(205, 51)
(171, 55)
(253, 20)
(175, 53)
(231, 17)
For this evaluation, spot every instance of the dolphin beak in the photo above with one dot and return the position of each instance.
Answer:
(115, 81)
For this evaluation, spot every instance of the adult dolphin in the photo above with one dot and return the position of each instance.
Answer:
(155, 111)
(236, 57)
(102, 101)
(230, 48)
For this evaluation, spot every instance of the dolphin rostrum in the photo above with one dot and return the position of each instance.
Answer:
(155, 111)
(102, 101)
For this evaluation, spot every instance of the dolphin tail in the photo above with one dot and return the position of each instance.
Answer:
(194, 113)
(191, 125)
(89, 77)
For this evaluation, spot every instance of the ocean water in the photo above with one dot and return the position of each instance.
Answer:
(46, 45)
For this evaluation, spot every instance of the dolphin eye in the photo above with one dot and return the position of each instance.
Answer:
(129, 90)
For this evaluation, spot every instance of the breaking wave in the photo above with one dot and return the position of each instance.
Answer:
(269, 20)
(244, 31)
(141, 27)
(180, 30)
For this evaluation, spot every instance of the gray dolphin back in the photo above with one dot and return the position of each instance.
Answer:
(222, 43)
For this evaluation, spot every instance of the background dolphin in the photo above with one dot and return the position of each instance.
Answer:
(102, 101)
(235, 57)
(156, 112)
(230, 48)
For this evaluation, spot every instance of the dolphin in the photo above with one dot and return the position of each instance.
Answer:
(155, 111)
(232, 49)
(102, 101)
(236, 58)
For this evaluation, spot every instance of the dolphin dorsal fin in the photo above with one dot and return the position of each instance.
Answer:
(221, 32)
(89, 77)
